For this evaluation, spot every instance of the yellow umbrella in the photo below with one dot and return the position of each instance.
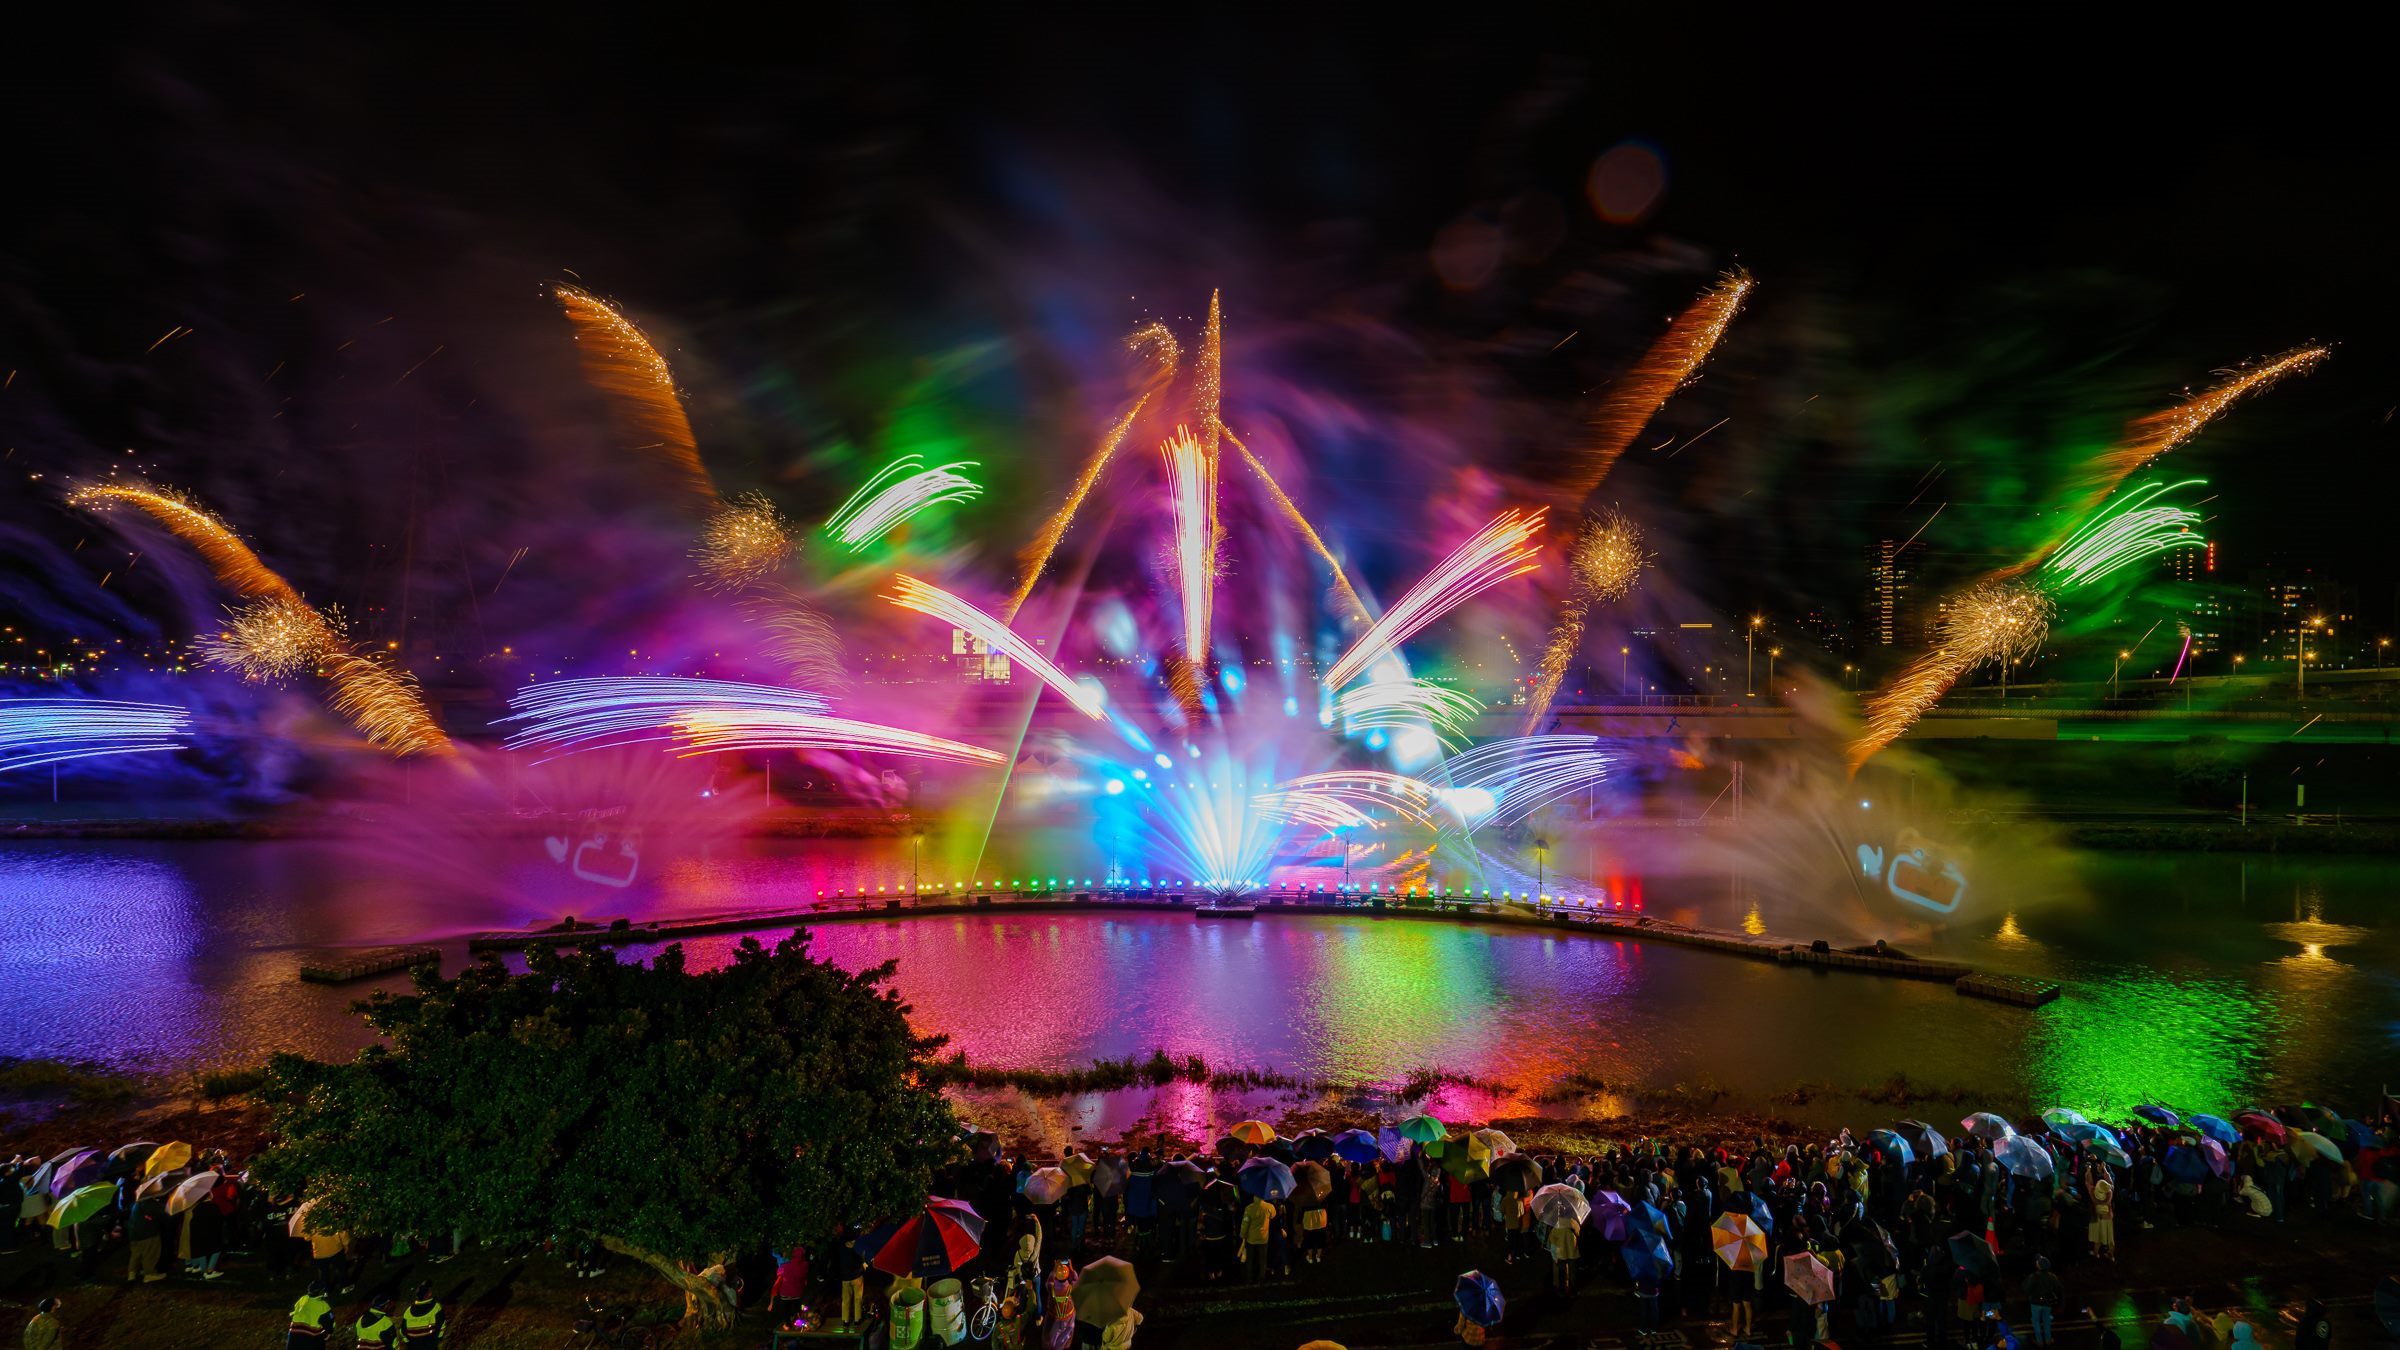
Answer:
(1078, 1169)
(1738, 1241)
(1489, 1144)
(169, 1158)
(1254, 1133)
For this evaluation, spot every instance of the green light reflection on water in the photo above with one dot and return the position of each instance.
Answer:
(2152, 1036)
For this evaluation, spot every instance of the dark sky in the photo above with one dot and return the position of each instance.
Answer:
(2027, 226)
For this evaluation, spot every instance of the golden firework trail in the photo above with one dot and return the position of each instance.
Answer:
(1605, 562)
(2159, 432)
(1192, 483)
(1671, 361)
(381, 702)
(1990, 621)
(272, 640)
(1341, 581)
(744, 540)
(800, 638)
(1208, 413)
(623, 364)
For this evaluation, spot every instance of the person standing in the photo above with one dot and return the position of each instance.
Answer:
(45, 1331)
(850, 1271)
(421, 1322)
(311, 1320)
(2103, 1227)
(1059, 1333)
(375, 1326)
(145, 1233)
(1258, 1223)
(1563, 1240)
(2043, 1290)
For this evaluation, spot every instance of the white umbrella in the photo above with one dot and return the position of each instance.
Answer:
(191, 1192)
(1494, 1143)
(1558, 1203)
(1046, 1186)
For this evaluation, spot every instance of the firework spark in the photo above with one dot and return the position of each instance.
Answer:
(1670, 362)
(910, 593)
(272, 640)
(708, 730)
(2140, 526)
(36, 732)
(1448, 713)
(2161, 431)
(703, 716)
(1341, 581)
(1990, 622)
(1508, 780)
(384, 703)
(226, 555)
(897, 493)
(619, 359)
(1192, 483)
(1605, 562)
(1342, 798)
(798, 637)
(1499, 551)
(744, 541)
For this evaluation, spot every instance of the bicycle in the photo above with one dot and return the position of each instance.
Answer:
(982, 1322)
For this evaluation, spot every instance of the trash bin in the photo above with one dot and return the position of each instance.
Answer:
(908, 1318)
(946, 1311)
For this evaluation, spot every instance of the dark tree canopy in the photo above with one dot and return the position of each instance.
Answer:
(677, 1115)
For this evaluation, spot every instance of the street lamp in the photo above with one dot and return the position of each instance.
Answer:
(1849, 680)
(1624, 671)
(2122, 658)
(2300, 657)
(1750, 659)
(1541, 866)
(916, 842)
(2380, 644)
(1772, 653)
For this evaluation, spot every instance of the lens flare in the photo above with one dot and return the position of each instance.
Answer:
(1499, 551)
(273, 640)
(899, 492)
(743, 543)
(621, 363)
(38, 732)
(1605, 562)
(1670, 362)
(910, 593)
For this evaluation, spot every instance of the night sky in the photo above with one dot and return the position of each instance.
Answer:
(1979, 252)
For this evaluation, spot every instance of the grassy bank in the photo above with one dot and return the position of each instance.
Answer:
(2230, 837)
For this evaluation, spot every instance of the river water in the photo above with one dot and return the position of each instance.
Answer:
(2201, 980)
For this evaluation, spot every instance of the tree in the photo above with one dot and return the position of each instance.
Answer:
(671, 1115)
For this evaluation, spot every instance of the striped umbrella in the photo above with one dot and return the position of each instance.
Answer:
(1737, 1241)
(1254, 1133)
(945, 1235)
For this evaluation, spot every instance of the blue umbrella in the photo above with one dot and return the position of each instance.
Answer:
(1648, 1258)
(1313, 1145)
(1760, 1214)
(2360, 1135)
(2220, 1130)
(1265, 1178)
(1479, 1299)
(2085, 1132)
(1893, 1145)
(1356, 1146)
(1647, 1220)
(2158, 1115)
(2184, 1163)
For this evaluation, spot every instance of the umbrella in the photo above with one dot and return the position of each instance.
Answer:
(1254, 1132)
(1974, 1256)
(2215, 1127)
(1871, 1246)
(1356, 1146)
(1422, 1129)
(1490, 1144)
(1893, 1145)
(1517, 1174)
(1278, 1149)
(2059, 1115)
(167, 1158)
(2158, 1115)
(1311, 1179)
(2187, 1164)
(1985, 1125)
(128, 1159)
(2303, 1141)
(1078, 1169)
(1760, 1214)
(1925, 1139)
(2110, 1154)
(35, 1204)
(1462, 1164)
(1610, 1212)
(1646, 1219)
(191, 1191)
(982, 1145)
(1557, 1204)
(1808, 1278)
(151, 1189)
(930, 1245)
(2219, 1161)
(1046, 1186)
(1265, 1178)
(1479, 1299)
(1738, 1242)
(1313, 1145)
(1232, 1149)
(1108, 1178)
(2361, 1135)
(299, 1226)
(2263, 1123)
(81, 1204)
(77, 1172)
(1647, 1257)
(2024, 1157)
(1220, 1192)
(1177, 1182)
(2085, 1132)
(1106, 1291)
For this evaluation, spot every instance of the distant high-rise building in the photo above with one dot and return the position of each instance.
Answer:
(1890, 565)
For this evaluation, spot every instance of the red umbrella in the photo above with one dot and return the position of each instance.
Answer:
(935, 1243)
(2263, 1123)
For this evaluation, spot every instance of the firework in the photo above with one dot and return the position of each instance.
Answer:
(1912, 693)
(1341, 798)
(897, 493)
(621, 362)
(798, 637)
(2138, 527)
(272, 640)
(1341, 582)
(1508, 780)
(226, 555)
(35, 732)
(910, 593)
(2161, 431)
(1192, 483)
(1499, 551)
(743, 542)
(384, 703)
(1990, 622)
(703, 716)
(1410, 703)
(1670, 362)
(1158, 341)
(1605, 562)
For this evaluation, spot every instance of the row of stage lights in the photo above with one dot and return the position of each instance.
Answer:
(1037, 886)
